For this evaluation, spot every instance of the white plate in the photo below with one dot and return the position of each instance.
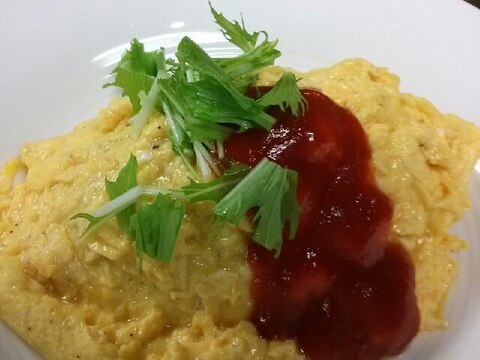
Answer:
(56, 55)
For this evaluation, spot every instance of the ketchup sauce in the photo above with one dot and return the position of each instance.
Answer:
(339, 289)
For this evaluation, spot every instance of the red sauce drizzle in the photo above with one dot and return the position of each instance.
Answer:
(339, 289)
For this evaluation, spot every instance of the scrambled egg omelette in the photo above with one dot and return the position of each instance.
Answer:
(90, 300)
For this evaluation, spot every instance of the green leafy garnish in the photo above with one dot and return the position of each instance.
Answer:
(244, 68)
(155, 226)
(135, 72)
(106, 212)
(217, 189)
(285, 94)
(271, 190)
(122, 204)
(126, 180)
(204, 100)
(247, 112)
(234, 32)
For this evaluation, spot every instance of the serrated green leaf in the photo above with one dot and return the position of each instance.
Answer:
(126, 180)
(285, 94)
(190, 53)
(155, 227)
(136, 72)
(271, 190)
(93, 223)
(235, 32)
(217, 189)
(244, 68)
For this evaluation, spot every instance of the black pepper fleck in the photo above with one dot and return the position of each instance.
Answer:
(155, 146)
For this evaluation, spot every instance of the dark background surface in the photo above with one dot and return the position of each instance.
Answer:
(474, 3)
